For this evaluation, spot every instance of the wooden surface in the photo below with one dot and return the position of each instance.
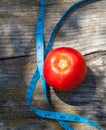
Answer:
(84, 29)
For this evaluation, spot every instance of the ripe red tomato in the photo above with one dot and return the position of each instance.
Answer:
(64, 68)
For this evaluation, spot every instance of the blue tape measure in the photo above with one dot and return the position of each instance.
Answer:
(41, 52)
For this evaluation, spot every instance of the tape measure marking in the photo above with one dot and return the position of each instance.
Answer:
(62, 118)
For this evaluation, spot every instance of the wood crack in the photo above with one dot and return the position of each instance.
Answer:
(15, 57)
(103, 52)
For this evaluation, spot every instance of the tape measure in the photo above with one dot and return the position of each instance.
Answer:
(41, 52)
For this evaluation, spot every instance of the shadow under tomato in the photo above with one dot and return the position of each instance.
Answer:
(83, 94)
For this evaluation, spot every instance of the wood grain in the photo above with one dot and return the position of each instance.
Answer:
(83, 29)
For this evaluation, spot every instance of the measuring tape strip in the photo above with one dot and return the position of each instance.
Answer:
(62, 118)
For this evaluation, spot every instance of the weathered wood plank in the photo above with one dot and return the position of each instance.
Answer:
(84, 29)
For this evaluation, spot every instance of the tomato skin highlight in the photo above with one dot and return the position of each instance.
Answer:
(64, 68)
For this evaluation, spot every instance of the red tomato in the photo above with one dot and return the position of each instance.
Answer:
(64, 68)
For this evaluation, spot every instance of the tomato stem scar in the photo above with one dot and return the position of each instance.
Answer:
(62, 63)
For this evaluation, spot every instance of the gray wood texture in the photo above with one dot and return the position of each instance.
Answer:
(83, 29)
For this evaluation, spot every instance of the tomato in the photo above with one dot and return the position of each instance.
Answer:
(64, 68)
